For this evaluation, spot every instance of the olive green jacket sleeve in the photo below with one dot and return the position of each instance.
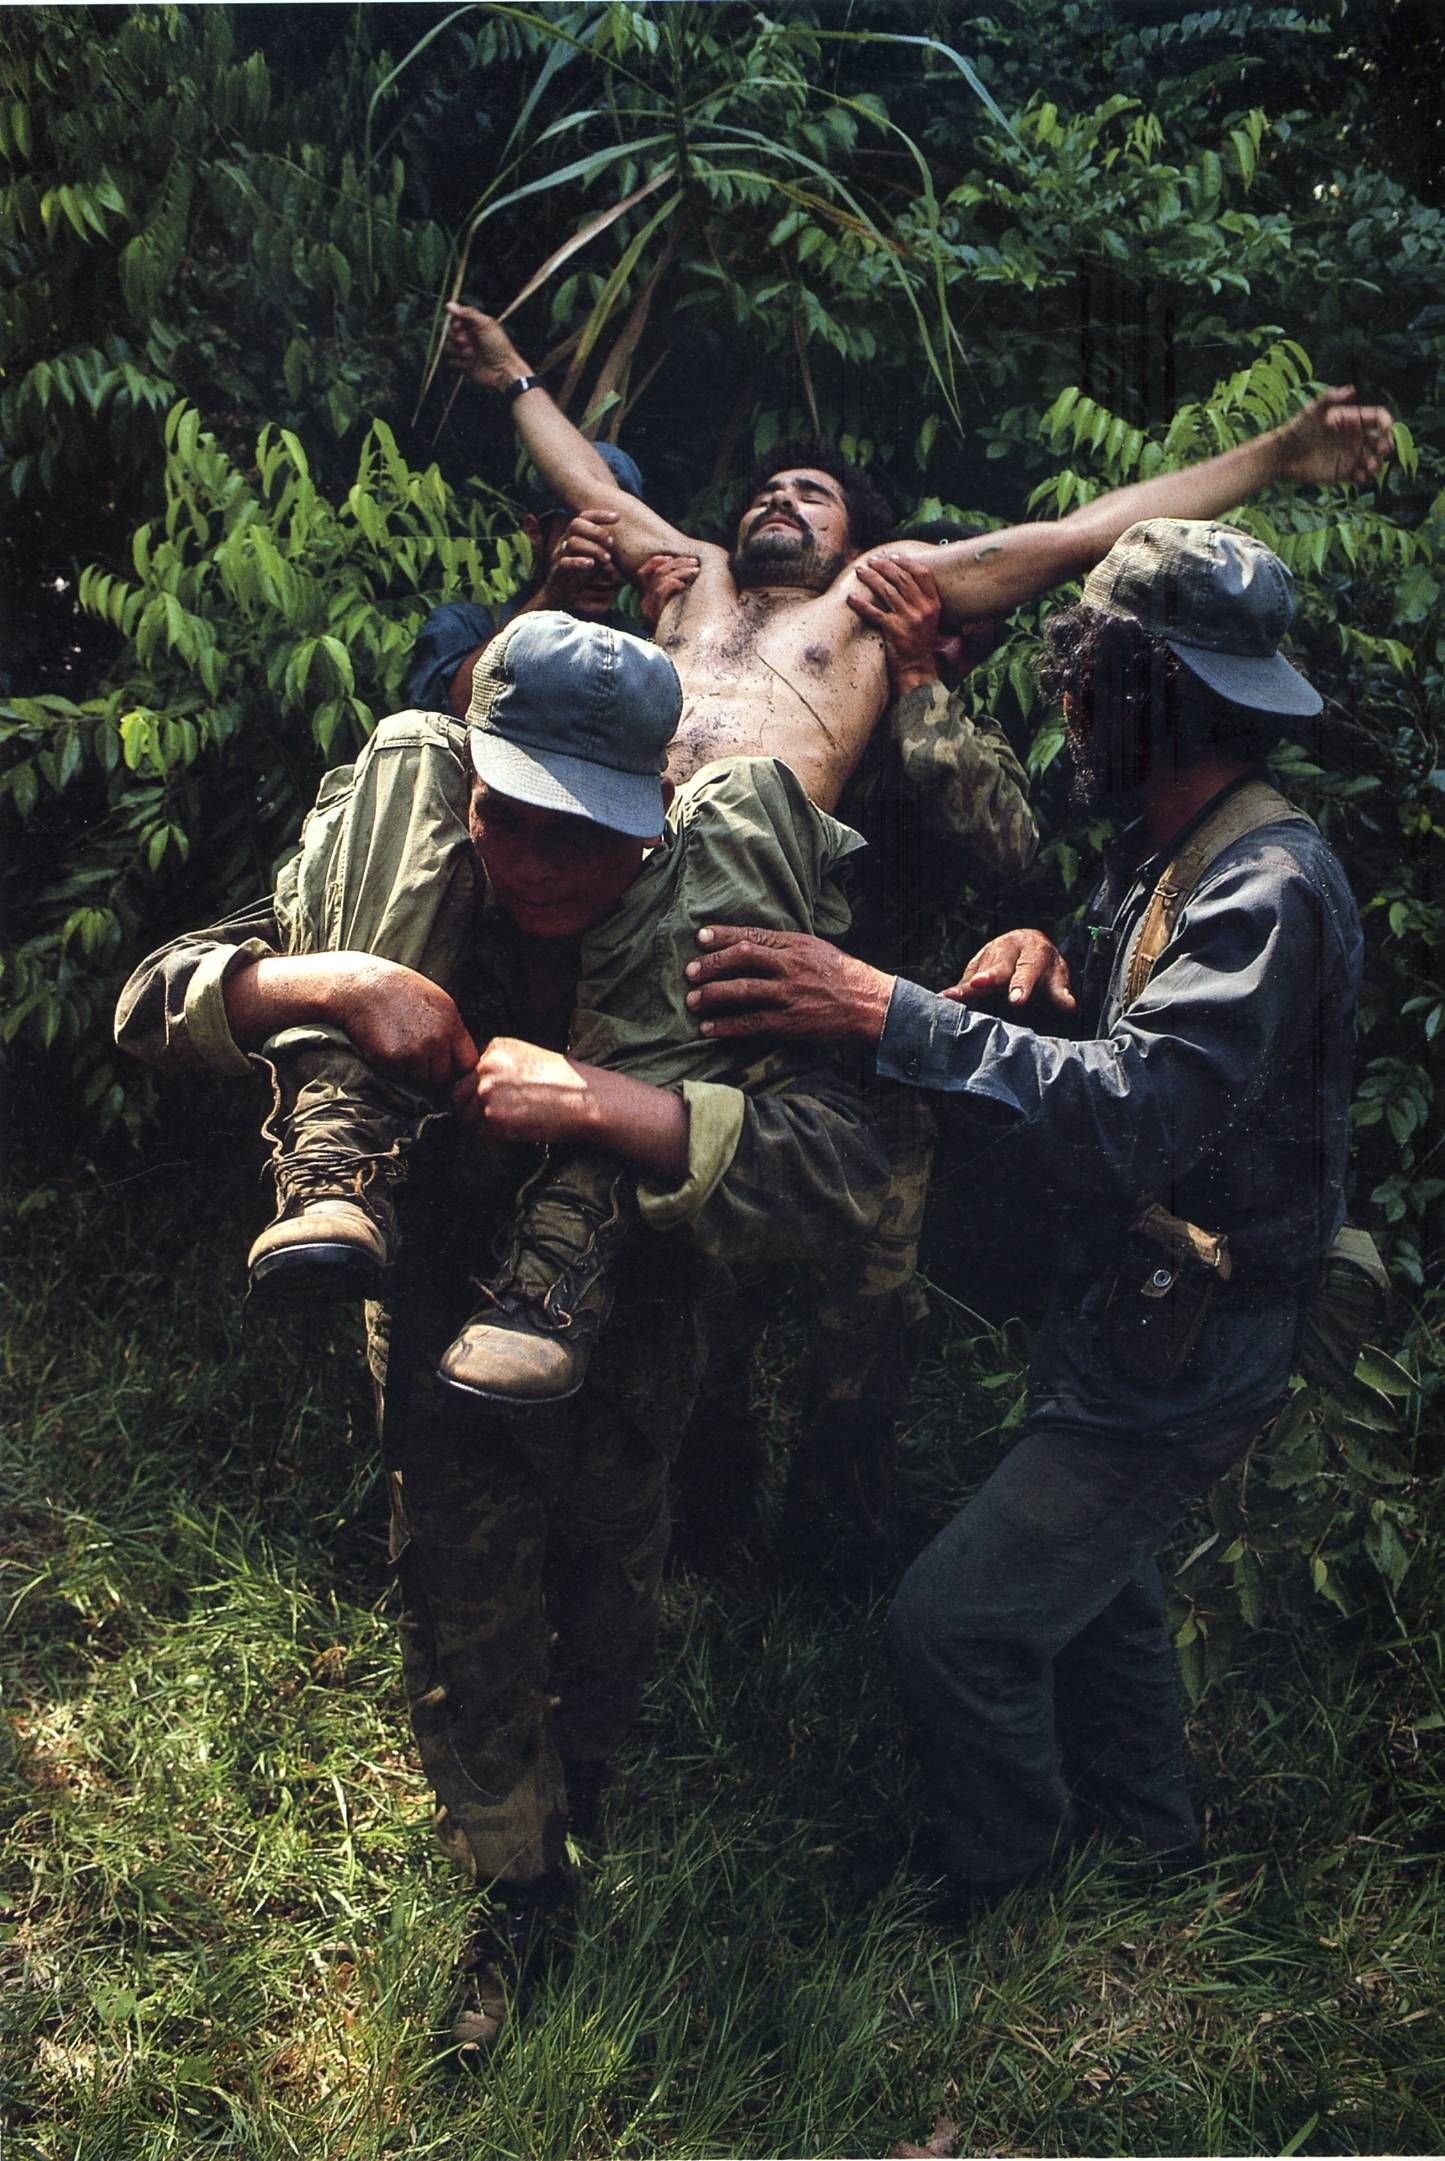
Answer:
(965, 779)
(780, 1174)
(172, 1011)
(787, 1175)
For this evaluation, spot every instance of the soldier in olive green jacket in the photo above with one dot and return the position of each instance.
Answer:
(529, 1544)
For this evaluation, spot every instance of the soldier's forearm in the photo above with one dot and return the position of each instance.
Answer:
(645, 1125)
(287, 990)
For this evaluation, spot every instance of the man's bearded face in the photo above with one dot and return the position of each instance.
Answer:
(794, 532)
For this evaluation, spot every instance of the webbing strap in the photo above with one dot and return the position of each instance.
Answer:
(1248, 808)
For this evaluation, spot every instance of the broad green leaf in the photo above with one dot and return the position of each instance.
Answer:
(1377, 1369)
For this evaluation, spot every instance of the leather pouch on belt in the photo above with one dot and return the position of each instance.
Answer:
(1160, 1295)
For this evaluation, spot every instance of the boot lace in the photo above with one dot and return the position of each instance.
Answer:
(530, 1247)
(348, 1174)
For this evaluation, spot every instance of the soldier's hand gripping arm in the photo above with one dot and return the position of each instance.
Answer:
(661, 579)
(961, 773)
(784, 1174)
(520, 1092)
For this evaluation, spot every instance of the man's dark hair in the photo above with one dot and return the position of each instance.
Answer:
(1111, 659)
(870, 514)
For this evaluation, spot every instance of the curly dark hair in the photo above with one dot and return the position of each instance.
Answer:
(1090, 655)
(870, 514)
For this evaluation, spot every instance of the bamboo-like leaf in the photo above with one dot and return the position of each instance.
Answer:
(579, 169)
(935, 45)
(805, 373)
(613, 375)
(631, 397)
(941, 373)
(579, 240)
(403, 64)
(862, 227)
(562, 39)
(611, 292)
(564, 50)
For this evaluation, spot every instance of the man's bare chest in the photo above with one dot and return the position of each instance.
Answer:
(811, 646)
(801, 683)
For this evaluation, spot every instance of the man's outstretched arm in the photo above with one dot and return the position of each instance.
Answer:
(481, 350)
(1333, 439)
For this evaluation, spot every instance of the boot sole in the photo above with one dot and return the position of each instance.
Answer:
(314, 1275)
(496, 1401)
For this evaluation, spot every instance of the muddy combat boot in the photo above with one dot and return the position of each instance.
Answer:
(523, 1935)
(337, 1135)
(529, 1343)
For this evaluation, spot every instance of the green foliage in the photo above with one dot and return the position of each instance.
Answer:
(228, 1931)
(771, 218)
(1332, 1503)
(1335, 1507)
(177, 222)
(265, 628)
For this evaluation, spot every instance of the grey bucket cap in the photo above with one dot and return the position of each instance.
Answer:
(1218, 598)
(575, 717)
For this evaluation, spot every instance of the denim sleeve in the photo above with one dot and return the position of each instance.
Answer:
(449, 633)
(1252, 977)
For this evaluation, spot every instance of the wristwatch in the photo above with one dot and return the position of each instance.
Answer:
(514, 390)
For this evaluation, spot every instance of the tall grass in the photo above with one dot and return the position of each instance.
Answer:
(226, 1931)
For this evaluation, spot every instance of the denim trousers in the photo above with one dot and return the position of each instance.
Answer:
(1029, 1643)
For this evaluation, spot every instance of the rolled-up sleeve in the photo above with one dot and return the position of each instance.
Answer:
(172, 1011)
(780, 1176)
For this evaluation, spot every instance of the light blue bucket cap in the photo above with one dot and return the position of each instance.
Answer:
(575, 717)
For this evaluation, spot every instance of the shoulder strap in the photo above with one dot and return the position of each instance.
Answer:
(1248, 808)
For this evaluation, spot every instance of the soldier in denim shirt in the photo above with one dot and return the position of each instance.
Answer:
(1028, 1637)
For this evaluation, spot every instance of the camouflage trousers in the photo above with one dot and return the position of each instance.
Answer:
(529, 1549)
(865, 1315)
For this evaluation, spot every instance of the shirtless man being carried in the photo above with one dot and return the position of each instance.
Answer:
(777, 644)
(780, 648)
